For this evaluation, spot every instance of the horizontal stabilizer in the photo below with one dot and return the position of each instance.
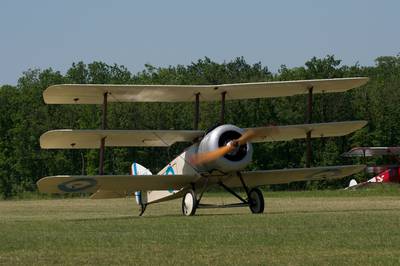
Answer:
(120, 184)
(283, 176)
(94, 93)
(285, 133)
(90, 139)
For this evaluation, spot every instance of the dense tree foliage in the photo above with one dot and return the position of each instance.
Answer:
(24, 116)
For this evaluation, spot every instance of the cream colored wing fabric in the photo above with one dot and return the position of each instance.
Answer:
(90, 139)
(290, 132)
(94, 93)
(104, 194)
(112, 183)
(283, 176)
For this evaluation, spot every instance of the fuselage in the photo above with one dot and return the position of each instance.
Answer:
(391, 174)
(214, 139)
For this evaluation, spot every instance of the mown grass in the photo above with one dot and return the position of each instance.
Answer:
(300, 228)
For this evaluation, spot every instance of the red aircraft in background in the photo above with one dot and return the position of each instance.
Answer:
(383, 173)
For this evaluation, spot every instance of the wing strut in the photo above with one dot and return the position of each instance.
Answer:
(222, 114)
(309, 118)
(103, 140)
(197, 111)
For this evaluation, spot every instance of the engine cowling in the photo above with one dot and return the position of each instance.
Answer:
(233, 161)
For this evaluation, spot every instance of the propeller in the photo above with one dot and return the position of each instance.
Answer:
(247, 136)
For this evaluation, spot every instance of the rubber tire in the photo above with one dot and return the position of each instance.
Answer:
(256, 199)
(189, 199)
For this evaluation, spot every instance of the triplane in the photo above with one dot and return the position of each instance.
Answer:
(215, 158)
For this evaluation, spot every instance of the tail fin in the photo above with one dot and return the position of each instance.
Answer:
(137, 169)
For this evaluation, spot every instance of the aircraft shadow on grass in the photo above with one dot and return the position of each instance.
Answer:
(273, 213)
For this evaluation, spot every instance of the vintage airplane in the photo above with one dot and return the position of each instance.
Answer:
(383, 173)
(215, 158)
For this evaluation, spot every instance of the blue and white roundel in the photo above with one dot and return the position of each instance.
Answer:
(170, 171)
(78, 185)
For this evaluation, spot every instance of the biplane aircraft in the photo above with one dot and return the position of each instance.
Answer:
(382, 173)
(215, 158)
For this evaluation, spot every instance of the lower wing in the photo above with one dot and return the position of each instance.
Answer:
(283, 176)
(120, 184)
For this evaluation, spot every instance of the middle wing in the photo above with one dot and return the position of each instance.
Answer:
(285, 133)
(284, 176)
(90, 139)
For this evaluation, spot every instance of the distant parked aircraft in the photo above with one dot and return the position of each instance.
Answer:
(384, 173)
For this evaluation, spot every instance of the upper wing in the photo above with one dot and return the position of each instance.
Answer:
(284, 133)
(93, 93)
(372, 151)
(283, 176)
(118, 184)
(90, 139)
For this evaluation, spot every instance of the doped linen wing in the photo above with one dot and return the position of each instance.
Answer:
(114, 183)
(291, 132)
(90, 139)
(283, 176)
(94, 93)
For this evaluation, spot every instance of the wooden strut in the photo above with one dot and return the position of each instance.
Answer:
(197, 112)
(222, 114)
(103, 140)
(309, 119)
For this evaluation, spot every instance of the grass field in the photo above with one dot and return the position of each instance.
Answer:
(298, 228)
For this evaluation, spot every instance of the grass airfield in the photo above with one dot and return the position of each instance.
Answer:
(359, 227)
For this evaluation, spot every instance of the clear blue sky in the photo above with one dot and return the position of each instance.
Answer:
(55, 33)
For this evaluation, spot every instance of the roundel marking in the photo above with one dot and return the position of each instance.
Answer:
(170, 171)
(77, 185)
(323, 174)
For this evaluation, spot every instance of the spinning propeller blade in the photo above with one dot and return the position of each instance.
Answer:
(206, 157)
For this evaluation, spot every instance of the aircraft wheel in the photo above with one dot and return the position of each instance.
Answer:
(189, 203)
(256, 199)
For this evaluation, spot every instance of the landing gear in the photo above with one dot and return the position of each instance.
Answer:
(142, 208)
(189, 203)
(256, 201)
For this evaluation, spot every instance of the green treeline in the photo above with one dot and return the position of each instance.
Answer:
(24, 117)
